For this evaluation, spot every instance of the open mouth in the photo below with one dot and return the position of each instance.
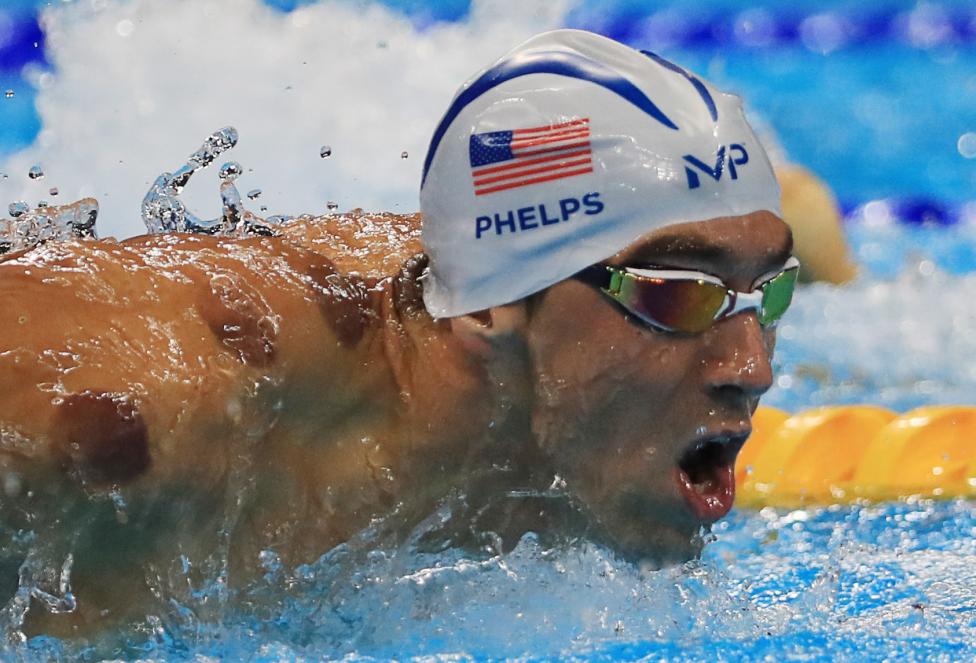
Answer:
(705, 474)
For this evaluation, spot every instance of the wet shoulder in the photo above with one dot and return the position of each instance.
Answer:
(372, 244)
(260, 289)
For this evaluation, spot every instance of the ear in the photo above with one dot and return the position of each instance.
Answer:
(483, 333)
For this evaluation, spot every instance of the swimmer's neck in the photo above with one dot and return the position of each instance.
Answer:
(470, 408)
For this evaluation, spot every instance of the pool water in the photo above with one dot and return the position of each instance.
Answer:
(886, 582)
(872, 99)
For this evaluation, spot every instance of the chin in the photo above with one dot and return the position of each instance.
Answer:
(662, 535)
(664, 548)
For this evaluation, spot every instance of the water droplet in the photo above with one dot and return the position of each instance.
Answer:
(967, 145)
(253, 193)
(325, 151)
(18, 208)
(332, 205)
(216, 143)
(404, 154)
(53, 191)
(9, 94)
(264, 208)
(35, 172)
(230, 171)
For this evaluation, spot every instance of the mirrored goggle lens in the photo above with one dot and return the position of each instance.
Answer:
(777, 295)
(680, 305)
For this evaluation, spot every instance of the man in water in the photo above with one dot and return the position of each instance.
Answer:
(572, 344)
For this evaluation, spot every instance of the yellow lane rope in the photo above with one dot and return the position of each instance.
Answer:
(840, 454)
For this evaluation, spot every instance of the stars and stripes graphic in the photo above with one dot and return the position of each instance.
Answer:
(502, 160)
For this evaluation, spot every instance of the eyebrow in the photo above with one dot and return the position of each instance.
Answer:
(696, 251)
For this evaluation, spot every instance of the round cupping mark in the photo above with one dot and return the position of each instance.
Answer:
(101, 436)
(343, 300)
(240, 320)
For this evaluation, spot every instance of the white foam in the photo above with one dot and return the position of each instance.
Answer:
(137, 85)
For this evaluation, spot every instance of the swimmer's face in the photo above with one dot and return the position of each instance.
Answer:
(644, 425)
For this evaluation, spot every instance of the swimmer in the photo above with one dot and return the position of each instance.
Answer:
(569, 340)
(812, 213)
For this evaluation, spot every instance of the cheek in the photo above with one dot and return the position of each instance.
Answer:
(601, 354)
(602, 382)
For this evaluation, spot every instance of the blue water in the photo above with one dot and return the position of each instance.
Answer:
(877, 110)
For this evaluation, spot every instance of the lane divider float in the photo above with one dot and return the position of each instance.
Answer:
(843, 454)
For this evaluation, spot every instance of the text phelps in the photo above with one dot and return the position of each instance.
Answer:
(529, 218)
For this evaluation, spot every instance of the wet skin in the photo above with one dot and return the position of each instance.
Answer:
(620, 404)
(287, 391)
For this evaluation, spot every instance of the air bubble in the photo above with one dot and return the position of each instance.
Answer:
(253, 194)
(332, 205)
(18, 209)
(53, 191)
(325, 151)
(35, 172)
(9, 94)
(404, 154)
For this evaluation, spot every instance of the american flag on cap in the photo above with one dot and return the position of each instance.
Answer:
(502, 160)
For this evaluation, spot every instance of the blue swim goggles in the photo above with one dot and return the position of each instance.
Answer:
(686, 301)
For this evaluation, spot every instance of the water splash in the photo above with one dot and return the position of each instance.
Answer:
(163, 211)
(29, 227)
(44, 577)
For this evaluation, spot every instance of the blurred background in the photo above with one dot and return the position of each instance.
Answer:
(878, 98)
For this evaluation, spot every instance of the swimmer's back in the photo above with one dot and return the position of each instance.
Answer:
(170, 334)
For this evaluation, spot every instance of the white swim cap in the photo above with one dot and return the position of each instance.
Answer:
(565, 151)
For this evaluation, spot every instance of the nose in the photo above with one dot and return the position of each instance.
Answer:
(738, 358)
